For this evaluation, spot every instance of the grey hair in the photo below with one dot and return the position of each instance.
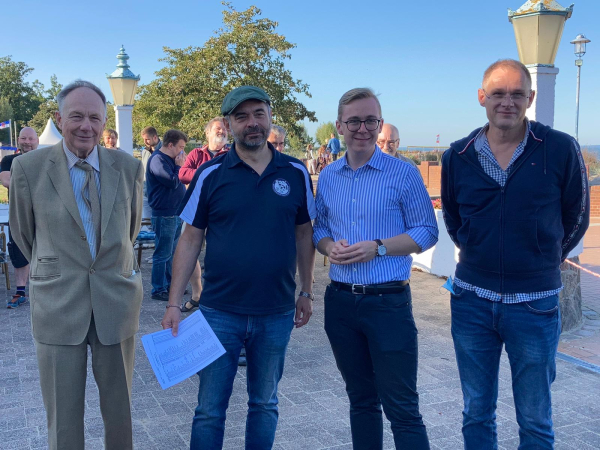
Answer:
(211, 122)
(60, 98)
(278, 131)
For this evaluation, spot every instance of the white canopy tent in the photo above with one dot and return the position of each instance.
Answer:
(50, 136)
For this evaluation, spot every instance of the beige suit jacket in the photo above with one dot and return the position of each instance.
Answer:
(66, 286)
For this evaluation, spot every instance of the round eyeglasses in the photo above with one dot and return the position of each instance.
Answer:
(370, 124)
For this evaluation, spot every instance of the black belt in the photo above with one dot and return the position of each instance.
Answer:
(394, 287)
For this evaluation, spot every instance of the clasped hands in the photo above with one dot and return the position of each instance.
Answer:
(339, 252)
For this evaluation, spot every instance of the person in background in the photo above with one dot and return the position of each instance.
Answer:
(110, 138)
(216, 136)
(152, 143)
(312, 161)
(333, 147)
(277, 138)
(323, 158)
(165, 192)
(389, 141)
(28, 141)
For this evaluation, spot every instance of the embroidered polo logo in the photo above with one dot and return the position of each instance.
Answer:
(281, 187)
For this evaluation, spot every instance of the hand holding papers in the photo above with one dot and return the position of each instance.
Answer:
(174, 359)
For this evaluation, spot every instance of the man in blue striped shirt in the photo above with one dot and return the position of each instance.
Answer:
(373, 211)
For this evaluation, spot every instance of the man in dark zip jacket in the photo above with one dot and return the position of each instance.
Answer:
(516, 202)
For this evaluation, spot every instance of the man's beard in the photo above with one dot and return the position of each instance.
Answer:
(219, 142)
(253, 144)
(26, 148)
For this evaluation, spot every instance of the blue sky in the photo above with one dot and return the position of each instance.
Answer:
(424, 58)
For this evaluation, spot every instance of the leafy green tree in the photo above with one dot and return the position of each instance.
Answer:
(299, 141)
(188, 92)
(324, 132)
(110, 116)
(24, 97)
(46, 109)
(6, 113)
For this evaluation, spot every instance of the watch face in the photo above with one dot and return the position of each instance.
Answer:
(381, 250)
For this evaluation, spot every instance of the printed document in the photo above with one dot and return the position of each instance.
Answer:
(174, 359)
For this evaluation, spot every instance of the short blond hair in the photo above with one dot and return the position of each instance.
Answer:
(356, 94)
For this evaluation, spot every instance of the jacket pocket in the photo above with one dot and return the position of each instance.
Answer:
(45, 268)
(482, 249)
(521, 248)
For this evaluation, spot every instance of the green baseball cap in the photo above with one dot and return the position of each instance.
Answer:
(240, 95)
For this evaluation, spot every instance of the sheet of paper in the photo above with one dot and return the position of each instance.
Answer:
(174, 359)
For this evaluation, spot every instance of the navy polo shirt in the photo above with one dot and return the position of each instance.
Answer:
(250, 223)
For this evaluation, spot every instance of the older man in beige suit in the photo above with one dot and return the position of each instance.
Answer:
(75, 211)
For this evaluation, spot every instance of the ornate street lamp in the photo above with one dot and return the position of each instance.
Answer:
(538, 26)
(123, 84)
(579, 43)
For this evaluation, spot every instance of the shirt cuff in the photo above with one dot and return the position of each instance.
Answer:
(423, 237)
(318, 234)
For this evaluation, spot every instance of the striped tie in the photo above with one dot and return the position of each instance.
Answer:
(93, 202)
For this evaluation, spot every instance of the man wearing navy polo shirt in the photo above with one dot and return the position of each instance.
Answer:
(255, 206)
(373, 211)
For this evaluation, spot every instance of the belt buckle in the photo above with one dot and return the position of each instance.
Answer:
(360, 286)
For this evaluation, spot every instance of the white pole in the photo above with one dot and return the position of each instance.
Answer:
(543, 82)
(10, 131)
(124, 123)
(580, 61)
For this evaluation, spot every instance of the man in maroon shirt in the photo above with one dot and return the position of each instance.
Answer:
(216, 135)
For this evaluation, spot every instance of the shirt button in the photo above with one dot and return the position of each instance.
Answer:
(352, 223)
(356, 179)
(354, 269)
(83, 238)
(353, 200)
(92, 271)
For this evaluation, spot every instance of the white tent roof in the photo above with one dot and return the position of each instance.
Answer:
(50, 136)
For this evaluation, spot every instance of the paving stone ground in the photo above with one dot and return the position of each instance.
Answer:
(313, 403)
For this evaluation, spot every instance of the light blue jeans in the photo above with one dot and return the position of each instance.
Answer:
(530, 332)
(266, 339)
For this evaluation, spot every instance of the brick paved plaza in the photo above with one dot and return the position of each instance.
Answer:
(313, 403)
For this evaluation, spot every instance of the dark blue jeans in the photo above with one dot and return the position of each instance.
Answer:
(266, 339)
(167, 231)
(529, 331)
(374, 341)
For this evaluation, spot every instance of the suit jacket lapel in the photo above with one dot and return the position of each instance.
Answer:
(61, 179)
(109, 184)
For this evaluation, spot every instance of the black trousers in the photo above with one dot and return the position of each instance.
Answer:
(374, 341)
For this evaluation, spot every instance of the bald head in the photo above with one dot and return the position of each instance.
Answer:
(28, 140)
(389, 139)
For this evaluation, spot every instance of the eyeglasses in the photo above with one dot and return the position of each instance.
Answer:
(381, 143)
(370, 124)
(514, 97)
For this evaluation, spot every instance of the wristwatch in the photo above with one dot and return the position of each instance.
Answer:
(381, 249)
(307, 295)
